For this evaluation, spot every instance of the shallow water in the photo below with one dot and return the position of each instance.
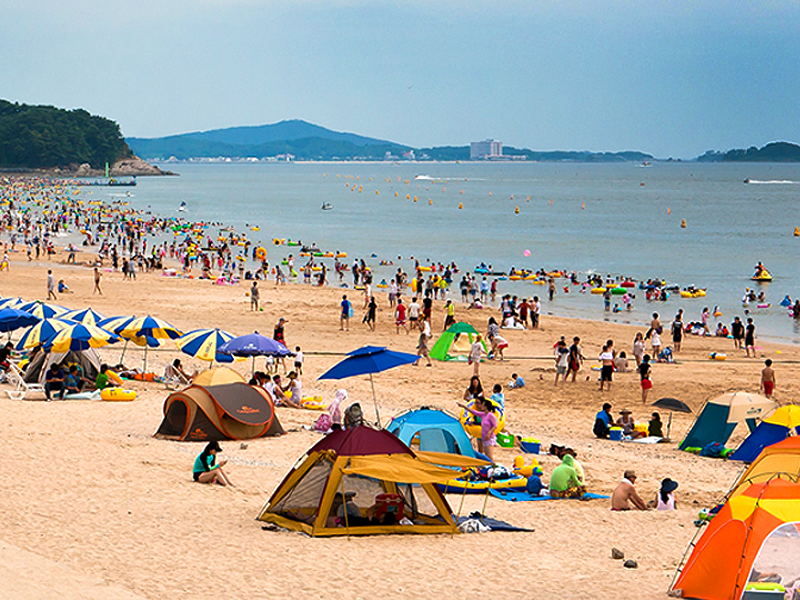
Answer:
(605, 218)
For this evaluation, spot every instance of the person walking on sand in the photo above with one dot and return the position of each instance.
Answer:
(422, 343)
(344, 315)
(254, 296)
(750, 338)
(97, 276)
(400, 316)
(450, 314)
(51, 286)
(644, 375)
(575, 358)
(475, 355)
(768, 378)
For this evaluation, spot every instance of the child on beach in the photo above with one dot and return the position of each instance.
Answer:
(484, 409)
(298, 360)
(768, 378)
(562, 361)
(644, 375)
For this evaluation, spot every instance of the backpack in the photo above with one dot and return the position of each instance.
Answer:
(323, 423)
(353, 416)
(712, 450)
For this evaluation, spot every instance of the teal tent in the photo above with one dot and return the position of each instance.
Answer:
(436, 431)
(722, 414)
(455, 343)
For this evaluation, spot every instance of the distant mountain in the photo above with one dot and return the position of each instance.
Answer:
(773, 152)
(305, 141)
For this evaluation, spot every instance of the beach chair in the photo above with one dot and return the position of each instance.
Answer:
(22, 387)
(173, 379)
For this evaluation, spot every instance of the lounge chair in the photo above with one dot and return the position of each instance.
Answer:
(23, 387)
(173, 378)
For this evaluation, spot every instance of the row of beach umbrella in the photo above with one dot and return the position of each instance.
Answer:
(59, 329)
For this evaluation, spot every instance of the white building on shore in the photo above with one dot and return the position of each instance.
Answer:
(485, 150)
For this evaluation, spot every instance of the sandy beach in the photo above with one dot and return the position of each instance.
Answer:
(94, 506)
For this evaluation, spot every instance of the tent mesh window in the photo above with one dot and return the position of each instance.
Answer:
(779, 557)
(417, 502)
(365, 488)
(306, 495)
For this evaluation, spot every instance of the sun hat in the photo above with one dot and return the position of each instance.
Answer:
(668, 485)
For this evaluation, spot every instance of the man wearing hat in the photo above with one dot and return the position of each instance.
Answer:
(625, 494)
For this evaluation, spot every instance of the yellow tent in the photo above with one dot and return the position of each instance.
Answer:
(363, 481)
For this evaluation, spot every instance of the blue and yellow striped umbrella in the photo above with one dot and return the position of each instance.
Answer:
(11, 302)
(85, 315)
(41, 333)
(203, 344)
(43, 310)
(150, 327)
(80, 337)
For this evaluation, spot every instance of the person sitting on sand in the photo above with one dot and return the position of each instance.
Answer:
(564, 481)
(516, 381)
(295, 400)
(175, 372)
(534, 485)
(206, 469)
(625, 494)
(621, 363)
(655, 426)
(665, 497)
(603, 421)
(628, 425)
(74, 382)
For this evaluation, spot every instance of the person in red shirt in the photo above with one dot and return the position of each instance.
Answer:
(400, 316)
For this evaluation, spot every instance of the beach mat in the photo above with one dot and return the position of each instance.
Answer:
(494, 524)
(526, 497)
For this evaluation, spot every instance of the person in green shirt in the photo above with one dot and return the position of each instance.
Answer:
(206, 469)
(101, 381)
(564, 481)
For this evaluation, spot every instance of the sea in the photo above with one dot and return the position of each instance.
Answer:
(605, 218)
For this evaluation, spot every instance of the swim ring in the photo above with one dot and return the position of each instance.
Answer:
(117, 395)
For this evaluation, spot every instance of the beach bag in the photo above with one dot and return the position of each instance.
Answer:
(712, 450)
(353, 416)
(323, 423)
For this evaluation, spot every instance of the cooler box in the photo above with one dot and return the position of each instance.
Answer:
(506, 440)
(389, 503)
(615, 433)
(530, 445)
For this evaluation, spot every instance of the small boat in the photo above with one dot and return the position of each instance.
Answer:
(327, 206)
(762, 275)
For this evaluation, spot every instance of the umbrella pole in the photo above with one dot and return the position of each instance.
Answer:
(252, 365)
(144, 361)
(375, 400)
(124, 347)
(669, 426)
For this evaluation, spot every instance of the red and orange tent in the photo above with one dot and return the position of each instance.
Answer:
(730, 553)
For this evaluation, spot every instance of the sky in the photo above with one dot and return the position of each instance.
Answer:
(672, 78)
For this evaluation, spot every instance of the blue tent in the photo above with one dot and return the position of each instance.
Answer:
(784, 422)
(722, 414)
(437, 431)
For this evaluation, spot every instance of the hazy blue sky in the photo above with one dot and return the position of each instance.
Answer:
(670, 78)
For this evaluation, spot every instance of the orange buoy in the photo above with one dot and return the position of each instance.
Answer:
(683, 223)
(460, 205)
(516, 210)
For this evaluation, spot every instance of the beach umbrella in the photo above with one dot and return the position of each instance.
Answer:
(254, 344)
(204, 344)
(149, 327)
(11, 302)
(366, 361)
(40, 333)
(672, 405)
(43, 310)
(13, 318)
(78, 336)
(85, 315)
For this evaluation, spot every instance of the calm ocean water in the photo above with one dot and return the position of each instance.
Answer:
(604, 218)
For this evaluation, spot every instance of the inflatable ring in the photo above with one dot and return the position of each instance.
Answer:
(341, 255)
(117, 395)
(599, 290)
(261, 253)
(473, 428)
(114, 377)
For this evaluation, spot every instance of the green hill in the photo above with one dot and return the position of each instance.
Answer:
(773, 152)
(43, 137)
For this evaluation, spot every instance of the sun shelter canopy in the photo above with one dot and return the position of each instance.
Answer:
(755, 532)
(231, 411)
(782, 423)
(434, 429)
(722, 414)
(455, 343)
(88, 360)
(369, 468)
(218, 376)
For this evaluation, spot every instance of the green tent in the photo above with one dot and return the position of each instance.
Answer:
(455, 343)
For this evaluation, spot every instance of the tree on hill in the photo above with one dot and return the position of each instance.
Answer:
(47, 137)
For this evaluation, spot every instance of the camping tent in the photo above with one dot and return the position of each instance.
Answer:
(781, 459)
(87, 359)
(361, 464)
(454, 344)
(232, 411)
(782, 423)
(720, 415)
(755, 532)
(436, 431)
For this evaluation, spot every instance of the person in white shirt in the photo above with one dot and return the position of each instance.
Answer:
(607, 358)
(413, 314)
